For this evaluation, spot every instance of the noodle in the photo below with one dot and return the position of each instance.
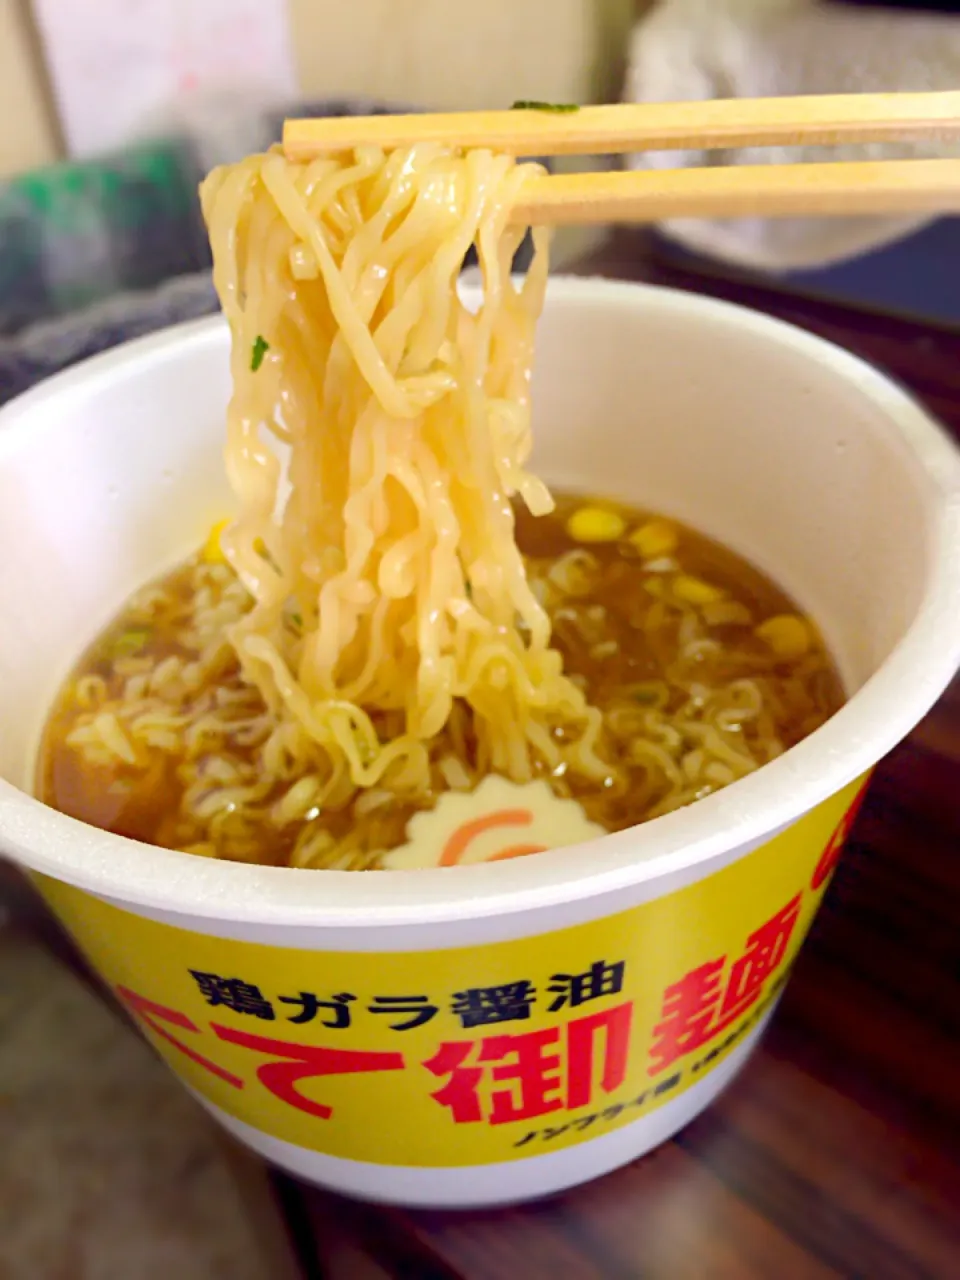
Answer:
(396, 544)
(399, 610)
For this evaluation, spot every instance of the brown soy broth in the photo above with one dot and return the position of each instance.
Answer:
(621, 584)
(607, 639)
(129, 802)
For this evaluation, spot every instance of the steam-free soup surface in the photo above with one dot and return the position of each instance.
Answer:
(702, 668)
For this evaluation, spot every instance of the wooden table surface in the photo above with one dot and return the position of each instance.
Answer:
(835, 1152)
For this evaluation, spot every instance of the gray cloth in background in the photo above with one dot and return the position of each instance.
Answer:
(52, 345)
(697, 50)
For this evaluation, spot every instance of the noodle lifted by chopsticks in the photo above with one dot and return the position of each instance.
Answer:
(391, 609)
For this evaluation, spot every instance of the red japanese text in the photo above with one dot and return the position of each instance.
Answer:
(503, 1078)
(149, 1012)
(714, 995)
(305, 1062)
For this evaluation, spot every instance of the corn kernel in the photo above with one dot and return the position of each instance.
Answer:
(655, 538)
(695, 591)
(727, 613)
(212, 551)
(787, 635)
(594, 524)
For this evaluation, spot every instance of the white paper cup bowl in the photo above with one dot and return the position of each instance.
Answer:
(516, 1028)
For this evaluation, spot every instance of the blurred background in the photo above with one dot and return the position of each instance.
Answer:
(111, 112)
(406, 51)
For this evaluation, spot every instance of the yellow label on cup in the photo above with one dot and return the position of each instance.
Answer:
(478, 1054)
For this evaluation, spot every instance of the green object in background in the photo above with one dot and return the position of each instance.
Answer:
(111, 249)
(76, 233)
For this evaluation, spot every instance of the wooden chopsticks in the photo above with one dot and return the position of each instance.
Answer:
(870, 187)
(660, 126)
(757, 191)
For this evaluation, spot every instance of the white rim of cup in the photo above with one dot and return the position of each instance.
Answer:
(875, 719)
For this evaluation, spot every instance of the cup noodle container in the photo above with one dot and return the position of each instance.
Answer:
(488, 1033)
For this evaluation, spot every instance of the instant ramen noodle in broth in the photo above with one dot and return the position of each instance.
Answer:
(701, 668)
(417, 615)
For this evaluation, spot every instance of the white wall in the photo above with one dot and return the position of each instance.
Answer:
(451, 54)
(442, 53)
